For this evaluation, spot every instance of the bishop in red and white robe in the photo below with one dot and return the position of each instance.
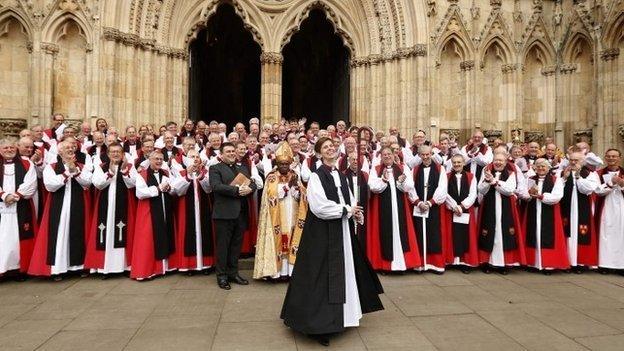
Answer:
(428, 196)
(18, 221)
(545, 241)
(154, 239)
(60, 241)
(501, 241)
(391, 239)
(461, 217)
(194, 229)
(109, 241)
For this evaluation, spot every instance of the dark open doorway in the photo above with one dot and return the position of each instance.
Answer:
(315, 80)
(224, 71)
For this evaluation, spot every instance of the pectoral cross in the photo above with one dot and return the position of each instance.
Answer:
(121, 226)
(102, 227)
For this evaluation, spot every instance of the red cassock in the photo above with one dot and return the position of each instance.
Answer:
(44, 251)
(553, 247)
(185, 256)
(250, 234)
(512, 230)
(26, 214)
(146, 261)
(470, 255)
(378, 230)
(94, 258)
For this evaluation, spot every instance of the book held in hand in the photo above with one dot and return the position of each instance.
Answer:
(240, 180)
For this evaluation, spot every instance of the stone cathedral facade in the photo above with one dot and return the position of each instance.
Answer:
(525, 69)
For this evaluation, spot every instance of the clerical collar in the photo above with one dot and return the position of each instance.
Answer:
(8, 162)
(426, 166)
(458, 173)
(329, 168)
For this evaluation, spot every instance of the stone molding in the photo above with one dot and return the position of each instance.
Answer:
(129, 39)
(401, 54)
(610, 54)
(533, 136)
(10, 127)
(271, 57)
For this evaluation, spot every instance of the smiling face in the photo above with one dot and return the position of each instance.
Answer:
(425, 154)
(8, 150)
(328, 151)
(613, 158)
(228, 155)
(387, 156)
(541, 167)
(458, 163)
(156, 160)
(500, 161)
(115, 153)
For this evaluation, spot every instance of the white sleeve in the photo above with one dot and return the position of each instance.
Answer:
(483, 186)
(318, 202)
(588, 185)
(53, 181)
(484, 159)
(507, 187)
(305, 171)
(414, 161)
(472, 194)
(29, 186)
(439, 195)
(375, 183)
(256, 177)
(555, 195)
(84, 178)
(180, 185)
(143, 191)
(408, 184)
(100, 179)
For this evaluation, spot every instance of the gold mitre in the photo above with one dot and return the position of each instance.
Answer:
(284, 153)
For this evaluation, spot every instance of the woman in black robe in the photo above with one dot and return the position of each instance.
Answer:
(332, 284)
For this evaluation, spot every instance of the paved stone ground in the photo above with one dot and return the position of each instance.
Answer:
(423, 312)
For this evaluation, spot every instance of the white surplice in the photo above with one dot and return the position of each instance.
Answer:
(585, 186)
(551, 198)
(439, 197)
(378, 185)
(451, 204)
(9, 226)
(611, 241)
(114, 258)
(504, 188)
(181, 186)
(54, 182)
(327, 209)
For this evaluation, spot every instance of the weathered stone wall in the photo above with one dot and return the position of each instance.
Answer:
(544, 68)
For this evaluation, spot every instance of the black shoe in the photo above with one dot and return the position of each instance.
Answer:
(239, 280)
(486, 269)
(321, 339)
(503, 271)
(437, 272)
(546, 272)
(20, 277)
(604, 271)
(57, 278)
(466, 270)
(223, 284)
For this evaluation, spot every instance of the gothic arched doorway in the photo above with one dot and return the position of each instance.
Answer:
(224, 71)
(316, 73)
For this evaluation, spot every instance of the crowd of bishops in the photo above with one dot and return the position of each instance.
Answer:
(139, 200)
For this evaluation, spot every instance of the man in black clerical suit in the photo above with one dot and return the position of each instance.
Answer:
(229, 214)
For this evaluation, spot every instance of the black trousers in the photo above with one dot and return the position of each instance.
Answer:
(229, 241)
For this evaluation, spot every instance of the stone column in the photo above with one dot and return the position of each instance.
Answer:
(271, 87)
(608, 74)
(46, 88)
(469, 119)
